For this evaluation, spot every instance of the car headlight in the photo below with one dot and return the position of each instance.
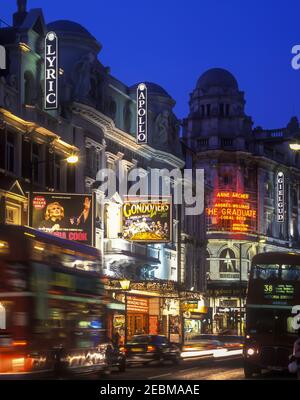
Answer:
(251, 351)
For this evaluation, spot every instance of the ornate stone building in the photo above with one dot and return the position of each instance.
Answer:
(241, 171)
(96, 118)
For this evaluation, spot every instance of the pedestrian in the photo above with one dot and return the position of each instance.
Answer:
(116, 339)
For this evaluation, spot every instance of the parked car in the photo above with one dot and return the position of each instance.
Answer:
(148, 348)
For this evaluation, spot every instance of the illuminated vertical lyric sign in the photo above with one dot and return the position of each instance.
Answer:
(142, 120)
(51, 71)
(280, 197)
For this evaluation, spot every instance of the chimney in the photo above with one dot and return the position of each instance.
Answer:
(20, 15)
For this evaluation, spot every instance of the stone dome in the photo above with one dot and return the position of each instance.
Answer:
(70, 27)
(217, 77)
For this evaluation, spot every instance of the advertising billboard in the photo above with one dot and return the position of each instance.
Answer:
(147, 220)
(232, 212)
(68, 216)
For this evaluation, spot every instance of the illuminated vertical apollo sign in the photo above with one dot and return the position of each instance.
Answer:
(280, 197)
(51, 71)
(142, 110)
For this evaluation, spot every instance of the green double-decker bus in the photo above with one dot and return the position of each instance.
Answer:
(273, 292)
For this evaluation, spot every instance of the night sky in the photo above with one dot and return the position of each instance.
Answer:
(172, 42)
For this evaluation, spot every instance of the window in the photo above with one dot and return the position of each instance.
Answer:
(226, 142)
(98, 161)
(29, 88)
(127, 118)
(35, 161)
(228, 261)
(295, 198)
(10, 152)
(112, 109)
(227, 109)
(222, 109)
(208, 110)
(12, 214)
(269, 189)
(266, 271)
(57, 171)
(203, 142)
(227, 180)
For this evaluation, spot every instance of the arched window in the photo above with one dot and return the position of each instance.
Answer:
(228, 261)
(29, 88)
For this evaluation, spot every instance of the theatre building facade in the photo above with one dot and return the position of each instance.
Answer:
(248, 171)
(96, 119)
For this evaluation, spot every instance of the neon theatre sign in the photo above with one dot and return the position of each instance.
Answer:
(280, 196)
(232, 212)
(142, 122)
(51, 71)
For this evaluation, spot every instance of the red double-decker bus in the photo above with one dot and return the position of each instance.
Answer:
(273, 291)
(51, 304)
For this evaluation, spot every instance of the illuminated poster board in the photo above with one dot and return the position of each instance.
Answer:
(232, 212)
(68, 216)
(147, 221)
(137, 304)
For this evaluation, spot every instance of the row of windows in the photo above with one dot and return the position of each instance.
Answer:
(223, 110)
(33, 161)
(31, 97)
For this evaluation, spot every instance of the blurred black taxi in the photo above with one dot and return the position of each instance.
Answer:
(150, 348)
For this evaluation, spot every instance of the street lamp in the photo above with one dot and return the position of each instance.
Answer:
(72, 159)
(125, 285)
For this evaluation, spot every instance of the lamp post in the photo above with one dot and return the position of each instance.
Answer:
(125, 285)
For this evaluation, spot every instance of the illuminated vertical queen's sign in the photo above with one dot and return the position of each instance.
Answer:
(51, 71)
(142, 120)
(280, 197)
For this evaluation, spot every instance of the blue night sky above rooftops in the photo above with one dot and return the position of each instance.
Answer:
(179, 40)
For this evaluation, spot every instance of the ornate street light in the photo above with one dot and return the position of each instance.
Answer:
(125, 285)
